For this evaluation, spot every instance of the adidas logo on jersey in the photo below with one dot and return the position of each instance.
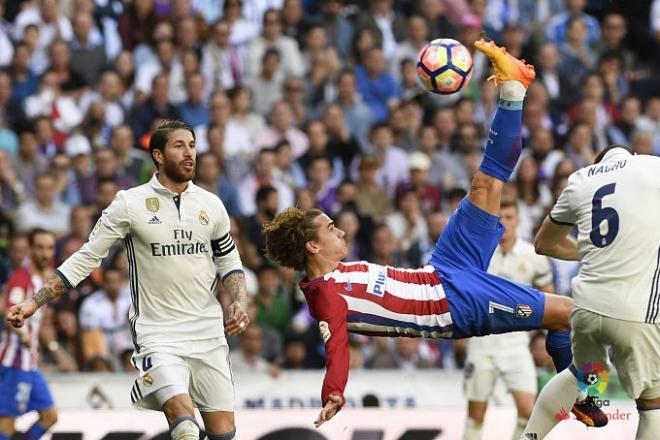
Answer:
(154, 221)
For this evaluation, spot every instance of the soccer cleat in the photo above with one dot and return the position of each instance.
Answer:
(506, 66)
(587, 412)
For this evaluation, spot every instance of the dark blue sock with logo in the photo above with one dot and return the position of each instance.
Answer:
(558, 345)
(504, 141)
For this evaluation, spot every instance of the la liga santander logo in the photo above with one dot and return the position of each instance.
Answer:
(592, 377)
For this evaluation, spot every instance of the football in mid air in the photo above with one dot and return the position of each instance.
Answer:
(444, 66)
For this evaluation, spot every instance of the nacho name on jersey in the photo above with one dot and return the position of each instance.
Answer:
(182, 245)
(595, 170)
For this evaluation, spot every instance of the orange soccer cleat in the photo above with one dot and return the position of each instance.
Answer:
(589, 413)
(506, 66)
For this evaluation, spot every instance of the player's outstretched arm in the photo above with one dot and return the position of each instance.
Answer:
(53, 288)
(553, 240)
(238, 321)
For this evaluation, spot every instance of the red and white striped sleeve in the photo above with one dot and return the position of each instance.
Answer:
(330, 309)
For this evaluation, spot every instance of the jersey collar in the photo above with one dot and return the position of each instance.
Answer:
(158, 187)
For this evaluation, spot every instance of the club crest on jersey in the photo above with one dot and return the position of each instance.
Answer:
(523, 311)
(324, 328)
(152, 204)
(147, 380)
(203, 217)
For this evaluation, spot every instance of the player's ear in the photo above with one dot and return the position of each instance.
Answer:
(158, 156)
(311, 247)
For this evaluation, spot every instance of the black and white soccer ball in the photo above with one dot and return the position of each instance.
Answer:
(591, 379)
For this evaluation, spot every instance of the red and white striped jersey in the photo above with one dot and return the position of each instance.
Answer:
(374, 300)
(13, 353)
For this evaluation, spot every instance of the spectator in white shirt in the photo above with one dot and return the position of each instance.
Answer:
(50, 22)
(248, 358)
(45, 211)
(222, 63)
(106, 310)
(272, 38)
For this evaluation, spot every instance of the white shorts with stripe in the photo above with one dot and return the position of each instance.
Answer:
(205, 377)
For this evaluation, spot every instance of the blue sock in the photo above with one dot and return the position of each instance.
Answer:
(504, 141)
(3, 436)
(558, 345)
(35, 432)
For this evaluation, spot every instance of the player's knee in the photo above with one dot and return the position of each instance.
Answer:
(185, 429)
(178, 407)
(559, 310)
(477, 411)
(48, 418)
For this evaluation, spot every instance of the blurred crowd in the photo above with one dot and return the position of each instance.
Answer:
(305, 103)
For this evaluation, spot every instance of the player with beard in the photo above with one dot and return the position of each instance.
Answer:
(177, 241)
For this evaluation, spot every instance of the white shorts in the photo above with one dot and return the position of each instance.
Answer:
(635, 348)
(514, 365)
(205, 377)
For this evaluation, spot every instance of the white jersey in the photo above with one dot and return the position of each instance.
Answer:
(523, 265)
(175, 246)
(616, 207)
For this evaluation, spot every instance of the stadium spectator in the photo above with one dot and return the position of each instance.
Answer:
(103, 318)
(270, 81)
(208, 176)
(222, 64)
(272, 308)
(263, 175)
(376, 86)
(45, 211)
(406, 354)
(371, 199)
(558, 28)
(357, 114)
(106, 167)
(282, 126)
(266, 201)
(272, 38)
(248, 358)
(156, 106)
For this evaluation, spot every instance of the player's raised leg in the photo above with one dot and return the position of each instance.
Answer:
(504, 137)
(502, 152)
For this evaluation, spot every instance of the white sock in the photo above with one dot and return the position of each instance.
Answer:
(556, 398)
(521, 422)
(185, 430)
(472, 429)
(512, 91)
(649, 425)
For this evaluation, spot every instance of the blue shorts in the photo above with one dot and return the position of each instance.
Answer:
(481, 303)
(22, 391)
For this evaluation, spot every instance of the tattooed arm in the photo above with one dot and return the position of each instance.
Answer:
(234, 284)
(53, 288)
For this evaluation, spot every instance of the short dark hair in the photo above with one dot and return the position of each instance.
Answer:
(32, 235)
(605, 150)
(161, 135)
(263, 193)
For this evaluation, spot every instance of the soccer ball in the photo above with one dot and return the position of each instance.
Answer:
(444, 66)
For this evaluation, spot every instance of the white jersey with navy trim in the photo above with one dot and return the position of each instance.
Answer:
(175, 244)
(616, 206)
